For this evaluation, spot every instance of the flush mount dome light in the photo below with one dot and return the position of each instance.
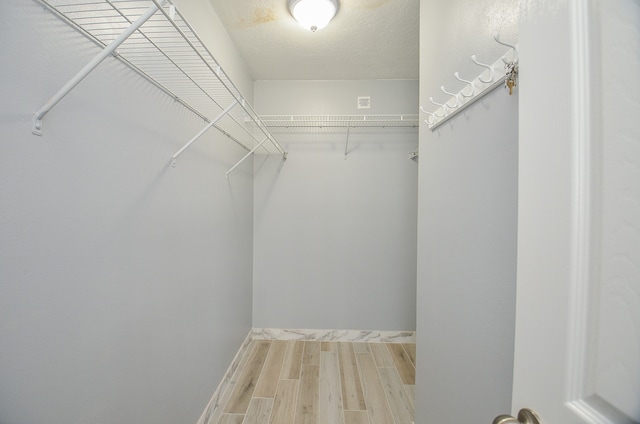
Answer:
(313, 14)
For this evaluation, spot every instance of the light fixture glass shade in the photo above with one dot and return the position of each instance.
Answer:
(313, 14)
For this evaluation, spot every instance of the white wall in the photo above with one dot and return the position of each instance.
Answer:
(335, 238)
(125, 284)
(467, 222)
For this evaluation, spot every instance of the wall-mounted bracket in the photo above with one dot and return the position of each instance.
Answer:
(202, 131)
(346, 145)
(86, 70)
(249, 154)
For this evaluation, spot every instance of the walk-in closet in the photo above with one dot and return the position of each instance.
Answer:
(412, 212)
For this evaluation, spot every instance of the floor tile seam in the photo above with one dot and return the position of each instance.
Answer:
(380, 379)
(295, 397)
(337, 355)
(226, 413)
(385, 391)
(385, 355)
(360, 374)
(256, 383)
(408, 355)
(341, 372)
(301, 358)
(395, 365)
(266, 360)
(273, 408)
(291, 347)
(241, 357)
(412, 399)
(307, 343)
(401, 382)
(386, 396)
(297, 404)
(357, 371)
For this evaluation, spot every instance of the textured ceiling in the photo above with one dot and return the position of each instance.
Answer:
(368, 39)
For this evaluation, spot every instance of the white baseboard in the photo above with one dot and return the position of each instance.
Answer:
(335, 335)
(216, 399)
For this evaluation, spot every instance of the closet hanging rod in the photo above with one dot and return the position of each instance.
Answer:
(93, 64)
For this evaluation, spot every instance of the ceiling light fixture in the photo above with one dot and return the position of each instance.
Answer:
(313, 14)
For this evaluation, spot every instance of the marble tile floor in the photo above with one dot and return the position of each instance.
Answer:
(320, 382)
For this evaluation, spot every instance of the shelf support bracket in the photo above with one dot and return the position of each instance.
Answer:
(204, 130)
(247, 155)
(346, 145)
(99, 58)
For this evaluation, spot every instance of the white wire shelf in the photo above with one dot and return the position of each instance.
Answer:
(340, 121)
(340, 124)
(153, 38)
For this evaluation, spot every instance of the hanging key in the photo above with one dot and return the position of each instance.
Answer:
(511, 76)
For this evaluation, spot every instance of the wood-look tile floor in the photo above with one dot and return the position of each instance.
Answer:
(310, 382)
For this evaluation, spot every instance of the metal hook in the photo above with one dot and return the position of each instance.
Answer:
(490, 68)
(496, 37)
(455, 98)
(468, 82)
(433, 116)
(438, 104)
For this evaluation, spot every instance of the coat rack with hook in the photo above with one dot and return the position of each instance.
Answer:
(502, 72)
